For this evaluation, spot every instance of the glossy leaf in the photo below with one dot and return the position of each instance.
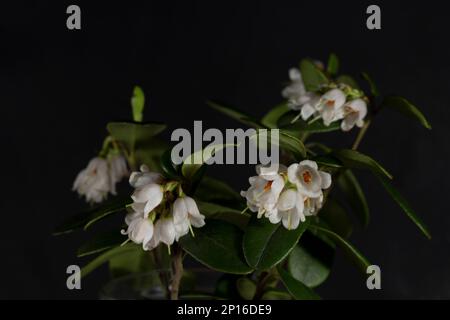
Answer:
(215, 211)
(405, 206)
(313, 77)
(348, 80)
(355, 197)
(311, 260)
(349, 250)
(406, 108)
(217, 245)
(373, 88)
(217, 191)
(137, 104)
(235, 114)
(102, 242)
(297, 289)
(266, 244)
(88, 218)
(270, 120)
(133, 134)
(335, 216)
(285, 123)
(169, 169)
(356, 160)
(106, 256)
(333, 64)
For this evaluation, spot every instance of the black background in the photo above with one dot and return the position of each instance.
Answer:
(58, 89)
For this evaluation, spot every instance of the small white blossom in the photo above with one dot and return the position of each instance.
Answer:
(309, 180)
(93, 181)
(185, 213)
(330, 106)
(354, 112)
(147, 191)
(262, 196)
(117, 171)
(289, 209)
(140, 228)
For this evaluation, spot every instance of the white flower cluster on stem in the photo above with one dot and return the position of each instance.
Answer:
(331, 106)
(287, 194)
(161, 212)
(100, 177)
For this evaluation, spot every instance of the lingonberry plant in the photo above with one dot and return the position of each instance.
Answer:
(274, 240)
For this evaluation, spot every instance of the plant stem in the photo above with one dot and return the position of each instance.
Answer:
(361, 134)
(177, 272)
(261, 285)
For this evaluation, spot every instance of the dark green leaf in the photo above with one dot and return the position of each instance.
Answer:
(218, 246)
(88, 218)
(354, 194)
(298, 290)
(266, 244)
(216, 211)
(348, 80)
(373, 88)
(102, 242)
(274, 294)
(349, 250)
(270, 120)
(217, 191)
(135, 261)
(137, 104)
(406, 108)
(285, 123)
(169, 169)
(335, 216)
(237, 115)
(311, 260)
(356, 160)
(333, 64)
(106, 256)
(313, 77)
(133, 134)
(405, 206)
(328, 162)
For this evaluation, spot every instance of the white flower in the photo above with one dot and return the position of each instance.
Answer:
(185, 213)
(139, 179)
(298, 97)
(354, 112)
(289, 209)
(330, 106)
(309, 180)
(140, 228)
(312, 205)
(148, 193)
(264, 190)
(117, 170)
(165, 229)
(93, 182)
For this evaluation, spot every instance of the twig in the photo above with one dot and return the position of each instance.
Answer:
(177, 269)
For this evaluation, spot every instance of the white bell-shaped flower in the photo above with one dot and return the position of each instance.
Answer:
(117, 171)
(330, 106)
(308, 178)
(289, 209)
(93, 182)
(354, 113)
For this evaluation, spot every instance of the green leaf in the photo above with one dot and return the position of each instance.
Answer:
(169, 169)
(266, 244)
(270, 120)
(137, 104)
(215, 211)
(292, 144)
(150, 153)
(132, 262)
(274, 294)
(405, 206)
(88, 218)
(406, 108)
(134, 134)
(237, 115)
(327, 161)
(195, 161)
(354, 194)
(348, 80)
(313, 77)
(217, 245)
(311, 260)
(373, 88)
(297, 289)
(217, 191)
(106, 256)
(101, 243)
(356, 160)
(349, 250)
(333, 64)
(335, 216)
(246, 288)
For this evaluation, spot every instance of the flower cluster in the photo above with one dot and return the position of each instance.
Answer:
(287, 194)
(100, 177)
(160, 212)
(333, 105)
